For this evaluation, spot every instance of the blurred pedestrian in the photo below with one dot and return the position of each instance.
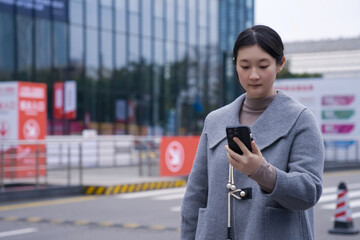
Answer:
(284, 169)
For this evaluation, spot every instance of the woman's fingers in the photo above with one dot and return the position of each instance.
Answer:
(241, 145)
(231, 155)
(247, 163)
(255, 148)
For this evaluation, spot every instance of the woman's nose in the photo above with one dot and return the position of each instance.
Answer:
(254, 74)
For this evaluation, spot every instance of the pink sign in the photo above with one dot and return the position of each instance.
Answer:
(337, 128)
(337, 100)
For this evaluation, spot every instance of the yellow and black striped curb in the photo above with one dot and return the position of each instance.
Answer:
(134, 226)
(136, 187)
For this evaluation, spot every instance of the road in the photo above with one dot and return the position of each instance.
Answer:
(142, 215)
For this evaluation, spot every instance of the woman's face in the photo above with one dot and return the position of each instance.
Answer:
(257, 71)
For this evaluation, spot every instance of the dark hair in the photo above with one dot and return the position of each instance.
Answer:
(263, 36)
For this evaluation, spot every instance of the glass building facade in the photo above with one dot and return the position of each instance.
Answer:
(141, 66)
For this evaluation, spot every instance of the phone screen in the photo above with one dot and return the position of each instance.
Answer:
(243, 133)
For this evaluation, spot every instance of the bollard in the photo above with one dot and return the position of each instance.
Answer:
(2, 182)
(80, 165)
(37, 166)
(69, 165)
(343, 221)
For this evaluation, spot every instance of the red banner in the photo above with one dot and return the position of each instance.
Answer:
(70, 99)
(64, 106)
(58, 101)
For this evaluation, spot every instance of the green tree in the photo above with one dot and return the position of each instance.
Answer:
(285, 73)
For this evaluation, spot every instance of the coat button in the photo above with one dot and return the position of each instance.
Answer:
(242, 194)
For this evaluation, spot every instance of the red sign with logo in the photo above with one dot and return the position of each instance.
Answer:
(23, 117)
(177, 155)
(32, 111)
(32, 126)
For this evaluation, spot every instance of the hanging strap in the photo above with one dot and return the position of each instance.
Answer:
(240, 194)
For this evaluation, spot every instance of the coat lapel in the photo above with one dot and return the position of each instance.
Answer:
(275, 122)
(219, 119)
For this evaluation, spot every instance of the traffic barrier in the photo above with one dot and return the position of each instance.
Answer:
(343, 221)
(136, 187)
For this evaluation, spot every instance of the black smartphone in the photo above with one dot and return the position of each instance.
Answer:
(242, 132)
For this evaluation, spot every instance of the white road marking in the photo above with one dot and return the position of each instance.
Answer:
(17, 232)
(352, 204)
(151, 193)
(176, 209)
(355, 215)
(333, 197)
(329, 190)
(335, 189)
(170, 197)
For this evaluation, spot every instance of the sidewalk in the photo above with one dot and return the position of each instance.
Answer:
(90, 181)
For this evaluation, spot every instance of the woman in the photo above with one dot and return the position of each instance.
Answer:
(284, 170)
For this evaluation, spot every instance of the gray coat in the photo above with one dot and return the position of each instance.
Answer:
(288, 137)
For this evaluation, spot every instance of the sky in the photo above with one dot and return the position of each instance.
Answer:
(301, 20)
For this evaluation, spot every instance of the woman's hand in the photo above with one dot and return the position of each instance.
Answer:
(247, 163)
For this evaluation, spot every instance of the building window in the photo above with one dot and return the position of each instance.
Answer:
(92, 13)
(60, 44)
(7, 58)
(76, 12)
(92, 54)
(25, 47)
(76, 46)
(120, 18)
(106, 14)
(121, 59)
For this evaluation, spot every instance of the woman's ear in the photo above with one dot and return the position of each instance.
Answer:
(281, 65)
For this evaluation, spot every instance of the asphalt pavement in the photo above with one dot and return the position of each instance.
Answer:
(150, 215)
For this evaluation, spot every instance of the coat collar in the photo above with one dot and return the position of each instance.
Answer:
(275, 122)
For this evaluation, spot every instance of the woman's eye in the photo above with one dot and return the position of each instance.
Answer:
(263, 67)
(244, 67)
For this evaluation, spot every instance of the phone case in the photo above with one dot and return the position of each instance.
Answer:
(242, 132)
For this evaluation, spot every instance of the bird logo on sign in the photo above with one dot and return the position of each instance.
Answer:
(174, 156)
(31, 129)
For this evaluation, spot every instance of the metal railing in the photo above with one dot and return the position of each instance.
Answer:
(341, 153)
(23, 163)
(62, 160)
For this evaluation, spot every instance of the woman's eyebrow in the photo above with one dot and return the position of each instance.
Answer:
(264, 60)
(261, 60)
